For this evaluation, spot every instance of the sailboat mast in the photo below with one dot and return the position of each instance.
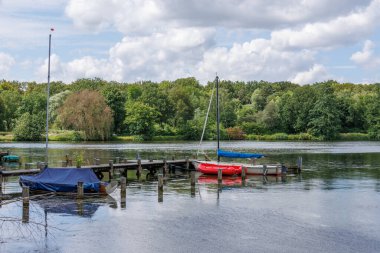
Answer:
(217, 115)
(47, 105)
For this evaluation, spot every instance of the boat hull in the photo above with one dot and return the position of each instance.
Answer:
(211, 168)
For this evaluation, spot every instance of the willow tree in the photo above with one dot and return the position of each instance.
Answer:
(87, 111)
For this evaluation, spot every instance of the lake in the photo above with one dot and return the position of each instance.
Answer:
(333, 206)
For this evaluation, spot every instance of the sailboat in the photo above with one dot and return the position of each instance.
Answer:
(212, 167)
(63, 180)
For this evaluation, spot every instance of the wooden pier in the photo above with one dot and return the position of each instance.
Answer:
(122, 166)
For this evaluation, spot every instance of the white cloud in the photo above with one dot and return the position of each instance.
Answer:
(151, 15)
(342, 30)
(255, 60)
(6, 62)
(316, 73)
(366, 57)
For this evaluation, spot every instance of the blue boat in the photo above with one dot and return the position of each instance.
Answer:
(66, 180)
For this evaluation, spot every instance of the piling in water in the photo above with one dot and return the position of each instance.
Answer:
(25, 204)
(123, 189)
(160, 188)
(192, 183)
(80, 190)
(220, 177)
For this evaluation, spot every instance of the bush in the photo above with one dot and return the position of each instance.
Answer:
(29, 127)
(235, 133)
(354, 137)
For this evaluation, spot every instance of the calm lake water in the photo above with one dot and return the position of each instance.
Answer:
(334, 206)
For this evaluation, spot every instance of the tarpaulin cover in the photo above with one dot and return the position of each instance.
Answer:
(62, 180)
(229, 154)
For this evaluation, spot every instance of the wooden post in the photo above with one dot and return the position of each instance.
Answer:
(160, 188)
(80, 190)
(192, 184)
(299, 164)
(139, 169)
(265, 170)
(165, 170)
(243, 173)
(112, 172)
(25, 194)
(220, 178)
(25, 204)
(123, 191)
(187, 163)
(1, 182)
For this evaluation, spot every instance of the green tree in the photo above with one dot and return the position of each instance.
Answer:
(29, 127)
(140, 119)
(55, 102)
(325, 116)
(87, 111)
(11, 101)
(116, 101)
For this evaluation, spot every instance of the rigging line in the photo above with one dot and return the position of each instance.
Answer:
(205, 124)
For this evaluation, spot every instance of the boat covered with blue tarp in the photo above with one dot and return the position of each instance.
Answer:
(63, 180)
(223, 153)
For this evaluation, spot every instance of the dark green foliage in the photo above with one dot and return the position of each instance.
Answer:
(140, 119)
(116, 101)
(144, 109)
(325, 118)
(29, 127)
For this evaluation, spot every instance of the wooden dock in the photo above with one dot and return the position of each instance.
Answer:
(152, 166)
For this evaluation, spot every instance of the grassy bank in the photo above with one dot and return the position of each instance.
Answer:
(72, 136)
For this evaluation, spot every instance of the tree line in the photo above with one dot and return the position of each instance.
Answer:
(98, 110)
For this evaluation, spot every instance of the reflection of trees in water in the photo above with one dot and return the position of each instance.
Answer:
(15, 228)
(37, 226)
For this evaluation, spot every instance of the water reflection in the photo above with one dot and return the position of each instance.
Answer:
(70, 205)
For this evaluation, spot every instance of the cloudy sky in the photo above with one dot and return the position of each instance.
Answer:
(302, 41)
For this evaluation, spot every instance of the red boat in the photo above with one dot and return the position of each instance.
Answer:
(212, 169)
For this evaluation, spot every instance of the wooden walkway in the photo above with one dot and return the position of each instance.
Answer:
(137, 165)
(111, 167)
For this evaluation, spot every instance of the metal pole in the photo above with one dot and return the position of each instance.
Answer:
(47, 105)
(217, 114)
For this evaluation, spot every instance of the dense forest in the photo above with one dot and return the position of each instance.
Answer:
(94, 109)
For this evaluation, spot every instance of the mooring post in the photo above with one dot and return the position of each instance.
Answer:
(243, 173)
(165, 170)
(187, 163)
(220, 178)
(160, 188)
(192, 183)
(25, 194)
(123, 190)
(1, 182)
(112, 172)
(139, 169)
(25, 204)
(299, 164)
(80, 190)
